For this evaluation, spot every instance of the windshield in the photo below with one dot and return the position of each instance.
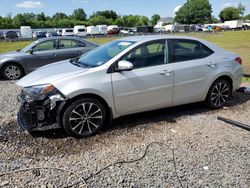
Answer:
(28, 47)
(104, 53)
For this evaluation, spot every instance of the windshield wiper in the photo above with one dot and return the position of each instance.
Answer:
(75, 61)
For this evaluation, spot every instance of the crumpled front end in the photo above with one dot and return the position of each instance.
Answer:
(38, 111)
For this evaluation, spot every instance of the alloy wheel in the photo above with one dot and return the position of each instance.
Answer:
(85, 118)
(12, 72)
(220, 94)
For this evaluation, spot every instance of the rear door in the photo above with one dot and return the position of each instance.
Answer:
(193, 68)
(70, 48)
(149, 85)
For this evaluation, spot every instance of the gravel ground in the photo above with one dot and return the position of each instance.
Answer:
(207, 152)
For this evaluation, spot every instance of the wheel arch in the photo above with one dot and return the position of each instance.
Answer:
(226, 77)
(64, 105)
(12, 62)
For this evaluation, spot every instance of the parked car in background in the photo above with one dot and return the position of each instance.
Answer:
(51, 34)
(113, 29)
(127, 76)
(11, 35)
(26, 32)
(39, 34)
(126, 31)
(68, 32)
(59, 32)
(14, 65)
(80, 31)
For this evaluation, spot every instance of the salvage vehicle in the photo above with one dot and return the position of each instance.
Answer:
(127, 76)
(14, 65)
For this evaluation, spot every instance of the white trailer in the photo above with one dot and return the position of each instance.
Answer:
(68, 32)
(233, 24)
(26, 32)
(103, 29)
(92, 30)
(80, 30)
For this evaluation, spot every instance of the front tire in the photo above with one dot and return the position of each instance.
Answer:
(12, 71)
(218, 94)
(84, 117)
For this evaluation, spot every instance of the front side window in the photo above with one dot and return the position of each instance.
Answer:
(185, 50)
(45, 46)
(151, 54)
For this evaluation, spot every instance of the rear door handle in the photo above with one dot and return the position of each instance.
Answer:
(211, 64)
(166, 72)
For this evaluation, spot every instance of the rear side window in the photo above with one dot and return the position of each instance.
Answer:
(185, 50)
(67, 43)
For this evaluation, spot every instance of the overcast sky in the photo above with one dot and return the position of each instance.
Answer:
(141, 7)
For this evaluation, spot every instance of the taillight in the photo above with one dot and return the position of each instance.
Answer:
(238, 60)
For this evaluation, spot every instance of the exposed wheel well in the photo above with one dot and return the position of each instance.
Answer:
(87, 95)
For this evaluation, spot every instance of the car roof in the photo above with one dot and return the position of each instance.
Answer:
(146, 38)
(59, 37)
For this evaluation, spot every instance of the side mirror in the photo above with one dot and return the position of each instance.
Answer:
(30, 51)
(124, 66)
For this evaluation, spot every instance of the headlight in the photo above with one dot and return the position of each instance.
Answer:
(38, 92)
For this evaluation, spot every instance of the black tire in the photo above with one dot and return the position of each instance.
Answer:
(218, 94)
(12, 71)
(84, 117)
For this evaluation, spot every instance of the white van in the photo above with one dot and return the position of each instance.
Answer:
(80, 30)
(113, 29)
(92, 30)
(103, 29)
(26, 32)
(68, 32)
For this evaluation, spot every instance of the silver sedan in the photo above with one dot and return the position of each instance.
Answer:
(14, 65)
(127, 76)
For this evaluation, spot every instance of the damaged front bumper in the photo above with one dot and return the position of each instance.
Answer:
(39, 115)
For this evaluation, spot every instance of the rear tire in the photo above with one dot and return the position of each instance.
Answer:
(218, 94)
(12, 71)
(84, 117)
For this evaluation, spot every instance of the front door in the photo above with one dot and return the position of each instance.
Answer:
(43, 54)
(149, 85)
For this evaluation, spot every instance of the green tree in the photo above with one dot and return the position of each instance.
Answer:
(108, 14)
(229, 13)
(79, 14)
(194, 12)
(155, 18)
(19, 20)
(98, 20)
(144, 20)
(41, 17)
(59, 16)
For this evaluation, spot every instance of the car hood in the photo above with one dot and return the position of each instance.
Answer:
(11, 54)
(50, 73)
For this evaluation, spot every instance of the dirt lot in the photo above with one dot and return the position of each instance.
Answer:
(207, 152)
